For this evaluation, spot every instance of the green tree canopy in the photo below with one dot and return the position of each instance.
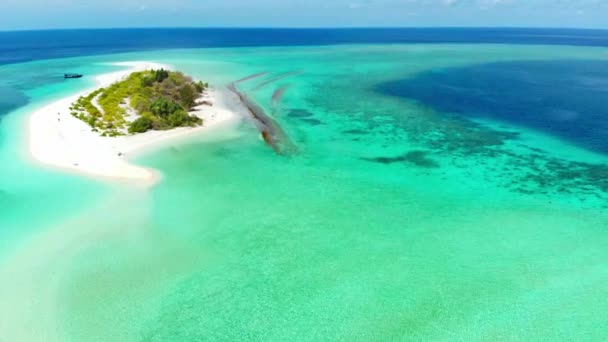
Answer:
(163, 107)
(160, 97)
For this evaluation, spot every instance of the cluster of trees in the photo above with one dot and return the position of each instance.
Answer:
(166, 114)
(155, 76)
(162, 99)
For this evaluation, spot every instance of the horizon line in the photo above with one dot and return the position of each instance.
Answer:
(301, 28)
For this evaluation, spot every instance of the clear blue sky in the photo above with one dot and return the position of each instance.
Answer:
(34, 14)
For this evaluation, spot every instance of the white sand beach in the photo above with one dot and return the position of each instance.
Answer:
(59, 140)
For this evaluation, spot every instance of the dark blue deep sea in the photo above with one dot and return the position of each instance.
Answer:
(20, 46)
(566, 98)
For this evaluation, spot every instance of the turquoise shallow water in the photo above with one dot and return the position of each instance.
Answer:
(389, 220)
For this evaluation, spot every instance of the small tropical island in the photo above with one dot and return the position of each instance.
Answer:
(97, 131)
(156, 99)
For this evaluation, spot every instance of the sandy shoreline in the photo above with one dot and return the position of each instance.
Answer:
(57, 139)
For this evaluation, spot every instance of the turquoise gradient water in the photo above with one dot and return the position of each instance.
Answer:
(389, 220)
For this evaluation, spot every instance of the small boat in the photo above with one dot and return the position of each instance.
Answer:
(72, 75)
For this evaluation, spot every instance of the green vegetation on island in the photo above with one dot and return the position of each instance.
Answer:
(146, 100)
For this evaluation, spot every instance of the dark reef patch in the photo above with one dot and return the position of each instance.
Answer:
(299, 113)
(457, 141)
(355, 131)
(312, 122)
(305, 116)
(564, 98)
(417, 158)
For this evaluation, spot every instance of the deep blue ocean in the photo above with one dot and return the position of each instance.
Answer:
(564, 98)
(20, 46)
